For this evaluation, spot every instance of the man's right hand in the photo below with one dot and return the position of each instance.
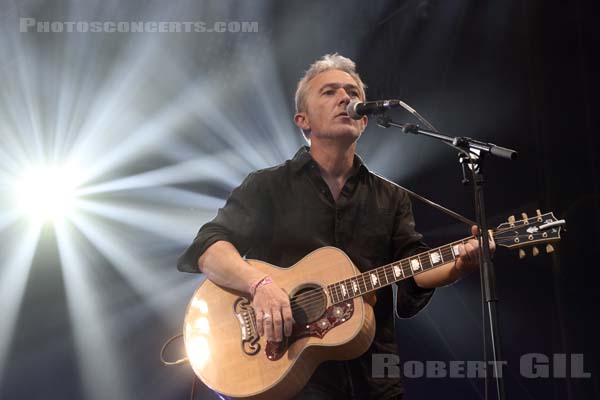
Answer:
(273, 312)
(224, 266)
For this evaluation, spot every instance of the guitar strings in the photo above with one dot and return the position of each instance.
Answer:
(313, 297)
(314, 294)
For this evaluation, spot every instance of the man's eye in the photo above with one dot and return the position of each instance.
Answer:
(353, 93)
(329, 91)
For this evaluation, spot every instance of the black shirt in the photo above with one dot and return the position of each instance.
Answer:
(281, 214)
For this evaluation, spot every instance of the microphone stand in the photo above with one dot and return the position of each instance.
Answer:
(469, 147)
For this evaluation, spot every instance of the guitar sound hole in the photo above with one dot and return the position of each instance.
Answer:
(308, 304)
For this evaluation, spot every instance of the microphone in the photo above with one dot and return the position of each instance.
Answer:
(357, 109)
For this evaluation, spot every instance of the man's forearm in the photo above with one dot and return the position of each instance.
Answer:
(440, 276)
(224, 266)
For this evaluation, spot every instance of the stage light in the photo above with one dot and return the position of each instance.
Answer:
(47, 194)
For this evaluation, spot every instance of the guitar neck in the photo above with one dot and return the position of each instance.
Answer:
(399, 270)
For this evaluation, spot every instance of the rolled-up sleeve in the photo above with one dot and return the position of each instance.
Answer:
(406, 241)
(242, 221)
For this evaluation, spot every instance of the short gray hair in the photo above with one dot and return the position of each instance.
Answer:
(326, 63)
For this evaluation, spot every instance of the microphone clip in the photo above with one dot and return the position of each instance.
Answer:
(410, 128)
(384, 120)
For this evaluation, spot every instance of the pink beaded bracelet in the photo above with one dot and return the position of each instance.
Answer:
(261, 282)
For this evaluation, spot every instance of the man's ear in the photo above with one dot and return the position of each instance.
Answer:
(301, 120)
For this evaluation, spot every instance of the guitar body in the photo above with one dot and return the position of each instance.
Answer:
(228, 356)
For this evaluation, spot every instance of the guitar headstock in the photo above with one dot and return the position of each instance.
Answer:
(529, 231)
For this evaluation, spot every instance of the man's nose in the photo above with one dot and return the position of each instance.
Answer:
(344, 97)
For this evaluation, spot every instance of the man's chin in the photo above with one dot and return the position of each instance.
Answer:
(348, 132)
(342, 135)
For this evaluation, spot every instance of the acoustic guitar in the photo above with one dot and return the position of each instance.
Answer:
(332, 321)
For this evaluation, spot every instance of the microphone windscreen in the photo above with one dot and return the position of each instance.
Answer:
(351, 109)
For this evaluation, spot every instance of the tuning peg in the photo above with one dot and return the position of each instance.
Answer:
(536, 251)
(549, 248)
(524, 216)
(539, 215)
(511, 219)
(522, 254)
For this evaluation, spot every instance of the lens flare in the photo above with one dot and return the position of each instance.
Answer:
(47, 193)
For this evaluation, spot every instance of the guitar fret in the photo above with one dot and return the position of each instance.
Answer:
(357, 282)
(406, 270)
(355, 287)
(451, 251)
(357, 279)
(448, 253)
(348, 286)
(424, 262)
(435, 257)
(344, 290)
(374, 279)
(377, 272)
(440, 252)
(455, 250)
(415, 264)
(368, 281)
(382, 276)
(389, 274)
(365, 282)
(427, 261)
(397, 271)
(337, 293)
(331, 295)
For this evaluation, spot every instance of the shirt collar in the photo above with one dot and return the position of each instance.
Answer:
(303, 158)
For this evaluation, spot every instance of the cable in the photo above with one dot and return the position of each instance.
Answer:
(193, 392)
(164, 347)
(177, 362)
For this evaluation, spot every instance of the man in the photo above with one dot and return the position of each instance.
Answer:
(324, 196)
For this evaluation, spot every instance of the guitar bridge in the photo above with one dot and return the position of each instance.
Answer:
(333, 316)
(242, 308)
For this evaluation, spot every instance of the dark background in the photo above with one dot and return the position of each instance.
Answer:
(521, 74)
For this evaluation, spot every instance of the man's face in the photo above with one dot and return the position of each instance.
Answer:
(325, 113)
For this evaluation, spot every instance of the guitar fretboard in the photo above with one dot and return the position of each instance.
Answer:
(394, 272)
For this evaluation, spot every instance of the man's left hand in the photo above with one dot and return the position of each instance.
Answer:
(468, 259)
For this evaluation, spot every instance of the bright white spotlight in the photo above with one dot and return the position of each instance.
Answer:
(47, 193)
